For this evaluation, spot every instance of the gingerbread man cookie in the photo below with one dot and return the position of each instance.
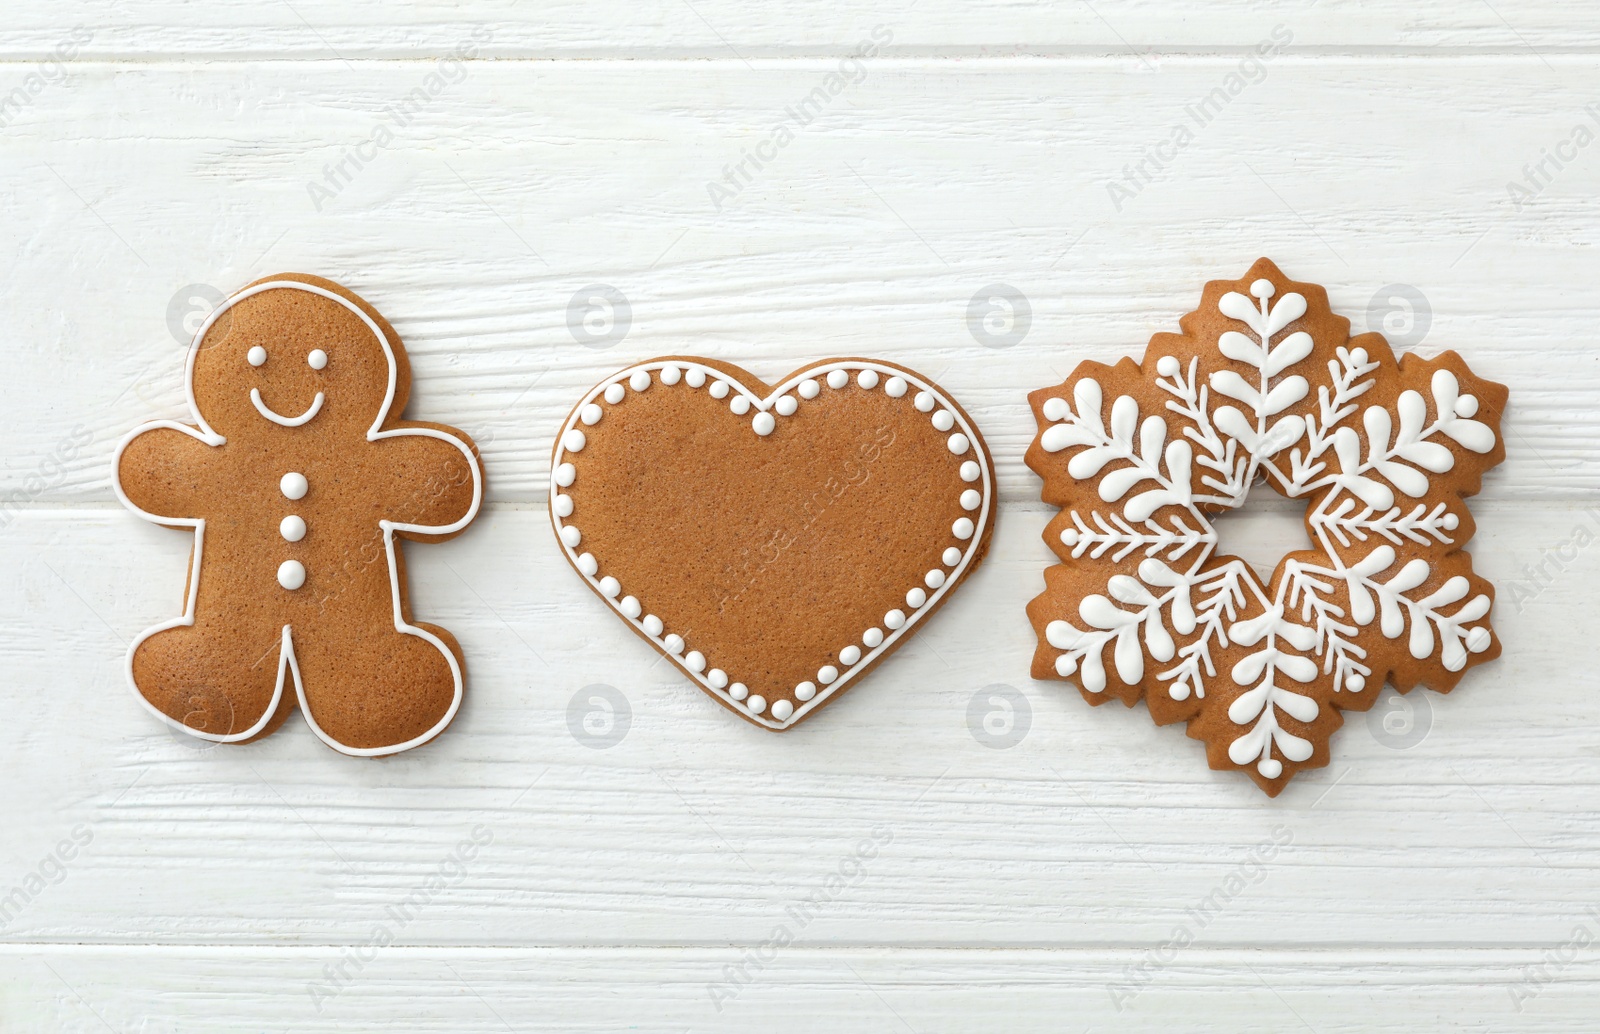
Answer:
(298, 481)
(1264, 384)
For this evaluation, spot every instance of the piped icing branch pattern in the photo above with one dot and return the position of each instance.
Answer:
(956, 459)
(1264, 384)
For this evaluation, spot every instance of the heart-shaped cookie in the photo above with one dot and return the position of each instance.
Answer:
(774, 542)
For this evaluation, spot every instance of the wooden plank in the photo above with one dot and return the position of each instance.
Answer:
(526, 183)
(743, 29)
(1097, 829)
(468, 990)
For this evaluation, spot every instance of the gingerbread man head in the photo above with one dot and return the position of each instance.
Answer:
(299, 481)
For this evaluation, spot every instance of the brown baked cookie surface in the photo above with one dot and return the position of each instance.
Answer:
(1264, 383)
(298, 480)
(775, 542)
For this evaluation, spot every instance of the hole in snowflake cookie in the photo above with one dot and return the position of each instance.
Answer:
(1262, 530)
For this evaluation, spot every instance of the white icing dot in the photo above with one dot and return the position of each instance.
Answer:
(670, 375)
(719, 389)
(652, 625)
(958, 443)
(933, 579)
(1478, 640)
(1451, 522)
(895, 388)
(294, 485)
(916, 598)
(805, 691)
(849, 655)
(952, 556)
(1272, 768)
(609, 587)
(809, 389)
(563, 505)
(292, 528)
(673, 643)
(695, 378)
(1467, 405)
(1263, 289)
(630, 606)
(763, 424)
(943, 420)
(318, 359)
(717, 677)
(787, 405)
(591, 414)
(566, 474)
(782, 709)
(970, 471)
(827, 673)
(588, 564)
(640, 380)
(738, 691)
(571, 535)
(740, 405)
(1166, 366)
(1065, 665)
(1055, 409)
(574, 440)
(970, 499)
(1359, 355)
(923, 402)
(962, 528)
(756, 704)
(867, 379)
(256, 356)
(291, 574)
(1069, 536)
(838, 378)
(614, 392)
(1356, 682)
(894, 619)
(873, 637)
(696, 661)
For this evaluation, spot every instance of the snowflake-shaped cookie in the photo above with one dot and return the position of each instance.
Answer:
(1264, 383)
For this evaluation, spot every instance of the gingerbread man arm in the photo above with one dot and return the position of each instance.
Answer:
(162, 470)
(431, 482)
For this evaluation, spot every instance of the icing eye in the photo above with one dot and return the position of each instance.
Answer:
(256, 355)
(317, 359)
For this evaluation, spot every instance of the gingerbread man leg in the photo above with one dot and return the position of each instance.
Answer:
(367, 686)
(220, 678)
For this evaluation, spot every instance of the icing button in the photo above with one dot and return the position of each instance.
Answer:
(574, 440)
(571, 535)
(294, 485)
(934, 578)
(763, 424)
(291, 574)
(923, 402)
(640, 380)
(970, 471)
(757, 704)
(673, 643)
(867, 379)
(805, 691)
(943, 420)
(838, 378)
(591, 414)
(809, 389)
(614, 393)
(695, 378)
(782, 709)
(670, 375)
(895, 388)
(566, 474)
(256, 356)
(563, 505)
(958, 443)
(951, 557)
(849, 655)
(963, 528)
(717, 677)
(873, 637)
(588, 564)
(740, 405)
(827, 674)
(609, 587)
(696, 661)
(317, 360)
(738, 691)
(916, 598)
(630, 606)
(652, 625)
(719, 390)
(787, 406)
(292, 528)
(970, 499)
(894, 619)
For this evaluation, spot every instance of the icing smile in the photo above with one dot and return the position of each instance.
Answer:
(286, 421)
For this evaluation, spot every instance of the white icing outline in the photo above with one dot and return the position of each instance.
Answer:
(286, 657)
(980, 515)
(287, 421)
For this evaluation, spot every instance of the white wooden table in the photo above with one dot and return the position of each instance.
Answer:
(1443, 878)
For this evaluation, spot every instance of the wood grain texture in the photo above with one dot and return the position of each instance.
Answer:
(1432, 886)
